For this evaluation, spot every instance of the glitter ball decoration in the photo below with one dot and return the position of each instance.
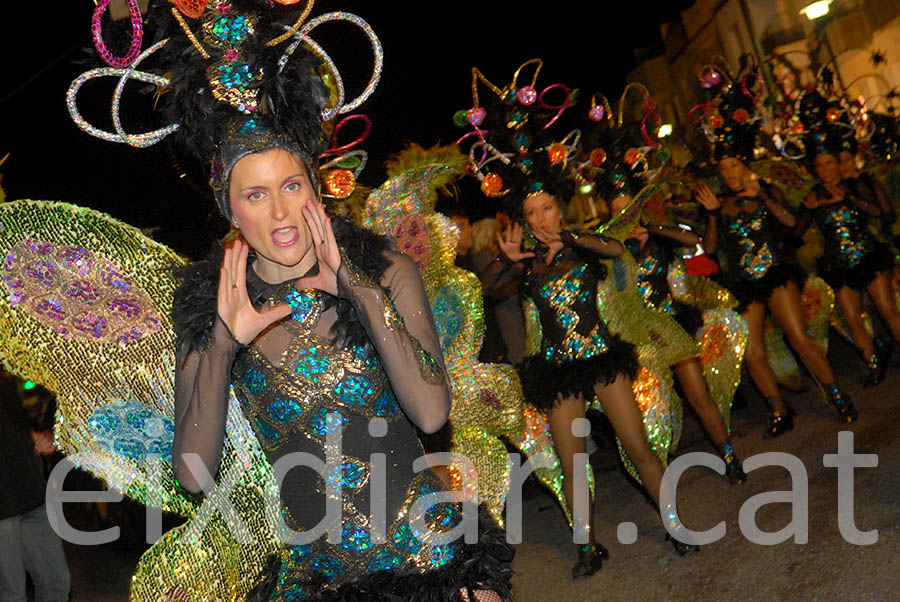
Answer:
(190, 8)
(557, 153)
(527, 95)
(340, 183)
(597, 157)
(740, 115)
(492, 184)
(711, 78)
(832, 114)
(714, 121)
(459, 119)
(476, 116)
(597, 113)
(632, 156)
(797, 128)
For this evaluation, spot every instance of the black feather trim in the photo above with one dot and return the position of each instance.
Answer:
(747, 292)
(542, 380)
(485, 565)
(879, 260)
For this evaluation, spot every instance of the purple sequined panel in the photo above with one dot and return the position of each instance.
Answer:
(77, 293)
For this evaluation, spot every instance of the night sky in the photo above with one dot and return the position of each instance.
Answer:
(429, 51)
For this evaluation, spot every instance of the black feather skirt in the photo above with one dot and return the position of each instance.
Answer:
(484, 565)
(543, 380)
(881, 259)
(759, 291)
(688, 317)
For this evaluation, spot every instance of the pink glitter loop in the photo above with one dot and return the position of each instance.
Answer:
(137, 34)
(334, 136)
(567, 103)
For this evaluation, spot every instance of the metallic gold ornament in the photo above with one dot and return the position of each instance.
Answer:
(632, 156)
(340, 183)
(598, 157)
(557, 153)
(491, 185)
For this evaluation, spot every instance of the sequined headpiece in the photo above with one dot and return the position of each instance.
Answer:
(616, 156)
(511, 151)
(826, 126)
(730, 118)
(231, 89)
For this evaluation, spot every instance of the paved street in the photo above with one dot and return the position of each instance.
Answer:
(825, 568)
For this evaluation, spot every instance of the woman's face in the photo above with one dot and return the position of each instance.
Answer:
(542, 212)
(268, 191)
(826, 167)
(847, 164)
(734, 172)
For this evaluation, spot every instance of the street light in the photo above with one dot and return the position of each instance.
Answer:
(816, 9)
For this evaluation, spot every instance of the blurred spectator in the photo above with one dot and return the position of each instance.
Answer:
(27, 541)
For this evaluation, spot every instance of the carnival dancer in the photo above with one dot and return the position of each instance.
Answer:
(741, 223)
(853, 260)
(579, 358)
(618, 166)
(304, 333)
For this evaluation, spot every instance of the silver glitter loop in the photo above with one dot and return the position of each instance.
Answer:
(303, 36)
(139, 140)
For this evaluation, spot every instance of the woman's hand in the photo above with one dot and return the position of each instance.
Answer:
(510, 242)
(233, 303)
(640, 233)
(812, 200)
(552, 240)
(328, 254)
(707, 198)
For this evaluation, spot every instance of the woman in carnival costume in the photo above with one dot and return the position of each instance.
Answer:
(741, 222)
(617, 165)
(305, 334)
(853, 260)
(579, 358)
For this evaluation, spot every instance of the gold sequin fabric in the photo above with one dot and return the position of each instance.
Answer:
(487, 398)
(115, 395)
(722, 338)
(660, 342)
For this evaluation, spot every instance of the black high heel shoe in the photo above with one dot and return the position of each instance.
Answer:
(841, 401)
(590, 560)
(877, 365)
(669, 517)
(780, 422)
(733, 469)
(680, 547)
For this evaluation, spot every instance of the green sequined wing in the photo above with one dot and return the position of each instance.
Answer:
(785, 175)
(85, 311)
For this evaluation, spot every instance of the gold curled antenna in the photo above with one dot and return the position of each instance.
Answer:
(295, 27)
(607, 110)
(190, 34)
(478, 75)
(628, 88)
(537, 71)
